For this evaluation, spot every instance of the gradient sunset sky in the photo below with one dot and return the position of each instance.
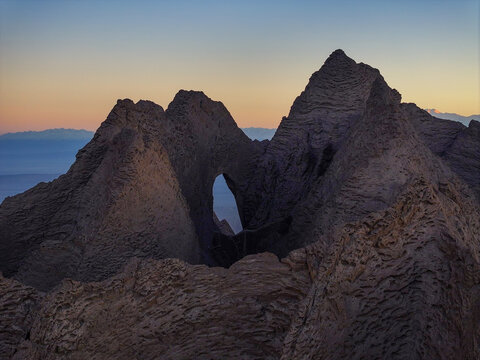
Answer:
(65, 63)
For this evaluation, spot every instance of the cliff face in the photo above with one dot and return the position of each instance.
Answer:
(372, 206)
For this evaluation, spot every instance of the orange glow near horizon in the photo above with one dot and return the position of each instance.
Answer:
(53, 99)
(30, 107)
(64, 64)
(32, 102)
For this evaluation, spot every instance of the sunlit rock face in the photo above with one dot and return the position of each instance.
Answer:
(361, 235)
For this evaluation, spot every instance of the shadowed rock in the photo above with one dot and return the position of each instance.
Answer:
(456, 144)
(169, 309)
(18, 306)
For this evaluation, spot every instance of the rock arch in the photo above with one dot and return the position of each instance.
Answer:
(141, 188)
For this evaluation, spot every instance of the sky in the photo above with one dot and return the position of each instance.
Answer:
(65, 63)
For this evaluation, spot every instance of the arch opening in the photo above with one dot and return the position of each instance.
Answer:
(225, 205)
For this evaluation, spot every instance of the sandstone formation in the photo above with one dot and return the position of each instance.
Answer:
(403, 283)
(372, 206)
(141, 188)
(306, 141)
(171, 310)
(18, 304)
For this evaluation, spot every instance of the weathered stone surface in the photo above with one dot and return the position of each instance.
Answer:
(458, 145)
(120, 199)
(203, 141)
(438, 134)
(18, 304)
(403, 283)
(171, 310)
(372, 204)
(463, 156)
(306, 141)
(380, 156)
(142, 187)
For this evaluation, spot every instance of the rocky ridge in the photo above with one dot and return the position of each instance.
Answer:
(371, 204)
(141, 188)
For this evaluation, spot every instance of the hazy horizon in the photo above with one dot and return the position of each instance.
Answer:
(432, 111)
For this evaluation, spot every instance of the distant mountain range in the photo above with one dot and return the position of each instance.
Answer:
(52, 151)
(451, 116)
(256, 133)
(49, 134)
(40, 152)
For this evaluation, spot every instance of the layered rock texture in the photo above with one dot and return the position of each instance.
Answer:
(361, 235)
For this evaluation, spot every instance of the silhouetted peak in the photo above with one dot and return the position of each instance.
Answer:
(189, 95)
(193, 103)
(338, 53)
(336, 86)
(339, 58)
(139, 106)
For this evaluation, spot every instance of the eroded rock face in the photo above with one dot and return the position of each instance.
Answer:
(121, 198)
(457, 145)
(18, 306)
(463, 156)
(141, 188)
(403, 283)
(306, 141)
(171, 310)
(373, 206)
(203, 142)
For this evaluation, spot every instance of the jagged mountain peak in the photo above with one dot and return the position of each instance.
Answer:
(118, 116)
(320, 118)
(197, 106)
(338, 58)
(188, 96)
(340, 85)
(192, 97)
(338, 52)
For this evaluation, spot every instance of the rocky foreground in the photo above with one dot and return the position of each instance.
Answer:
(361, 235)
